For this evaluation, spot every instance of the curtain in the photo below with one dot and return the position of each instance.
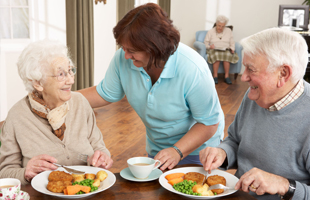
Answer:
(80, 40)
(124, 6)
(165, 5)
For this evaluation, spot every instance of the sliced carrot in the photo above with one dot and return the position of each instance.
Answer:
(175, 181)
(65, 191)
(173, 176)
(85, 189)
(73, 189)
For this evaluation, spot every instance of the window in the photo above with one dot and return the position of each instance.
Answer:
(14, 19)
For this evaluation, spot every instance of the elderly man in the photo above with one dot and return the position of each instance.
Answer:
(269, 140)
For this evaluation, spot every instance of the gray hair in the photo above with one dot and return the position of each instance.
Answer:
(280, 47)
(222, 19)
(36, 59)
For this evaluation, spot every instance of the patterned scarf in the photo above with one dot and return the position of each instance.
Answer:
(56, 117)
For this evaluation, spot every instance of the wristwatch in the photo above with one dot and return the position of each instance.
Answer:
(291, 190)
(179, 151)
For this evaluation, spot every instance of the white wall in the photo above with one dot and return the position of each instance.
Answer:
(247, 16)
(105, 45)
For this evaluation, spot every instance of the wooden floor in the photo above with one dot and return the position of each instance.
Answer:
(124, 132)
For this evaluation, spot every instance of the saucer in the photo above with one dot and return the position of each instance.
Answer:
(126, 174)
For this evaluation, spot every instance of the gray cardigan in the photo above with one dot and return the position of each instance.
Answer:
(277, 142)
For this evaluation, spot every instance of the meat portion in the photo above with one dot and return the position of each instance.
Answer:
(195, 176)
(57, 186)
(216, 179)
(60, 176)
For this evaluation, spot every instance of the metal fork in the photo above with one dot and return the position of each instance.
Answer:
(206, 176)
(220, 186)
(70, 170)
(82, 157)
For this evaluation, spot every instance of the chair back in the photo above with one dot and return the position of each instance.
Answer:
(200, 35)
(230, 26)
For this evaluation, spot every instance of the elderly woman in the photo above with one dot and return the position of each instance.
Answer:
(269, 140)
(51, 124)
(167, 83)
(220, 46)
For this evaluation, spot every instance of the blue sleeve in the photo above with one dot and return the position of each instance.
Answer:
(110, 88)
(203, 100)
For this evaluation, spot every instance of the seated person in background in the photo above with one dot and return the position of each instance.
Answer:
(220, 46)
(51, 124)
(269, 140)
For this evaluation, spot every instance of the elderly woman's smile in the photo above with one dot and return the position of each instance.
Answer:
(56, 89)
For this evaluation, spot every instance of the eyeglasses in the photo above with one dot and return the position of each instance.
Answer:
(62, 75)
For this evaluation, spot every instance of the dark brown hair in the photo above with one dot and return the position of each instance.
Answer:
(148, 28)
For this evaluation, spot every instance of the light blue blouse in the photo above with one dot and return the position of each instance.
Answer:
(183, 95)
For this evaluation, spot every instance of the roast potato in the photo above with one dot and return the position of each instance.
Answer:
(101, 175)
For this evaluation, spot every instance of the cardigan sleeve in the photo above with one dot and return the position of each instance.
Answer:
(207, 39)
(11, 156)
(231, 41)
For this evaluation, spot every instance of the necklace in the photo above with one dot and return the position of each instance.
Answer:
(219, 35)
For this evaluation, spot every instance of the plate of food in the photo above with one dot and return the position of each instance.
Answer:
(191, 182)
(61, 184)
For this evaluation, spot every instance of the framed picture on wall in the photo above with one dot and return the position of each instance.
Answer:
(294, 16)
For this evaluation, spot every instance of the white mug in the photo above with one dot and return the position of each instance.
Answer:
(11, 192)
(141, 167)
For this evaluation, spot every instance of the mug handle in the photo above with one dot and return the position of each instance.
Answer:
(156, 166)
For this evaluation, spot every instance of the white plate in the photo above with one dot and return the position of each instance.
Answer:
(231, 181)
(40, 181)
(126, 174)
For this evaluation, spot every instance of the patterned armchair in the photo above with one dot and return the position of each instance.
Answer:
(201, 49)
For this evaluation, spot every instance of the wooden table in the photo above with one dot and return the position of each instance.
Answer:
(127, 190)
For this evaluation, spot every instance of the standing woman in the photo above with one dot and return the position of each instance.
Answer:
(167, 83)
(220, 46)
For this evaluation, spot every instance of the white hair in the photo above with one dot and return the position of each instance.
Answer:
(36, 59)
(222, 19)
(280, 47)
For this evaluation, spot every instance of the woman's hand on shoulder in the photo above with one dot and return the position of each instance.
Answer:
(212, 157)
(39, 164)
(100, 159)
(168, 157)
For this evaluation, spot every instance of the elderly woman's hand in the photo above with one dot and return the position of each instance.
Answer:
(212, 46)
(168, 157)
(100, 159)
(232, 51)
(39, 164)
(211, 158)
(262, 182)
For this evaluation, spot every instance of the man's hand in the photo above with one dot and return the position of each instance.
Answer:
(211, 158)
(262, 182)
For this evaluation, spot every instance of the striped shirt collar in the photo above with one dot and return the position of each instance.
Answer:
(289, 98)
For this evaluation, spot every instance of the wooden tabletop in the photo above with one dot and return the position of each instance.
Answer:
(124, 189)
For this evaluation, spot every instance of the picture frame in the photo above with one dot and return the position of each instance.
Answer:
(294, 16)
